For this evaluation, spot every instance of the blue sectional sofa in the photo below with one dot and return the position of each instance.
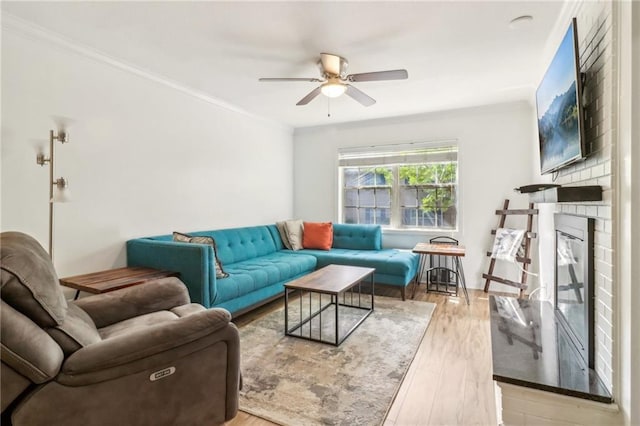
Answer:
(259, 265)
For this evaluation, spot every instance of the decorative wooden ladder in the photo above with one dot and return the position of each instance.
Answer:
(526, 243)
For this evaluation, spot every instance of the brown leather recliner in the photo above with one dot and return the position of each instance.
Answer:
(143, 355)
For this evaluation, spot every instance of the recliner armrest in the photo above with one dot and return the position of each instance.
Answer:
(151, 347)
(152, 296)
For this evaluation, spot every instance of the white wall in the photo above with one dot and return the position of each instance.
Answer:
(628, 245)
(144, 158)
(494, 150)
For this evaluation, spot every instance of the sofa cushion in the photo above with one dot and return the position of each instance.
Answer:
(317, 235)
(238, 244)
(29, 281)
(357, 237)
(254, 274)
(393, 262)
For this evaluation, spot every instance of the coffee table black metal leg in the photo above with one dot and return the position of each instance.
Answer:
(337, 326)
(320, 309)
(286, 311)
(373, 293)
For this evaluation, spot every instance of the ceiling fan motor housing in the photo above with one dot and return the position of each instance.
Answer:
(333, 66)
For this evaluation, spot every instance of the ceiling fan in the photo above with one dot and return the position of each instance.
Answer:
(335, 81)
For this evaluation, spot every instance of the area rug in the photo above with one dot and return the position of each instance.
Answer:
(291, 381)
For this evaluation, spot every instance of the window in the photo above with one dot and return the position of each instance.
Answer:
(400, 189)
(367, 195)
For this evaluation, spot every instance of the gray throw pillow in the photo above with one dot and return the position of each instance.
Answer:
(283, 234)
(294, 230)
(185, 238)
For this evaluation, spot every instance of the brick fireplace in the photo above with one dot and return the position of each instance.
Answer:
(596, 39)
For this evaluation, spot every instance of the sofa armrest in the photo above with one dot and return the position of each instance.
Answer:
(151, 296)
(150, 347)
(194, 263)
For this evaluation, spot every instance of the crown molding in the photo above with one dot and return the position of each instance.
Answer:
(36, 32)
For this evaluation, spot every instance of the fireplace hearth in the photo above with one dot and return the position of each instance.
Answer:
(546, 345)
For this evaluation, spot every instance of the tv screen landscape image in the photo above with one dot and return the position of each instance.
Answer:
(559, 108)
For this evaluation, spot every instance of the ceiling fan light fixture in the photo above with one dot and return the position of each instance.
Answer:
(332, 89)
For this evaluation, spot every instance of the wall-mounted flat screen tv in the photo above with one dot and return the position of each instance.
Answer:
(559, 108)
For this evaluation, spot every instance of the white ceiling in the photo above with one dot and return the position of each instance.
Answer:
(458, 54)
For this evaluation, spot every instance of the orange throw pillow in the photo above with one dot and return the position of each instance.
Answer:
(317, 235)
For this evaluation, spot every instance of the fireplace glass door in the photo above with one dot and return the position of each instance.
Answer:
(570, 289)
(574, 286)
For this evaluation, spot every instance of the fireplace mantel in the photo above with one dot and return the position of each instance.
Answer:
(567, 194)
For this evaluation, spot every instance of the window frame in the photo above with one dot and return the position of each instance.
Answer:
(395, 225)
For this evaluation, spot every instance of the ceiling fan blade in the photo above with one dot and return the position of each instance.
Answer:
(311, 96)
(332, 64)
(379, 75)
(359, 96)
(313, 80)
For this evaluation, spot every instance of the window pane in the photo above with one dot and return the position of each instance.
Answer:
(449, 219)
(383, 197)
(350, 215)
(446, 198)
(366, 216)
(417, 174)
(452, 194)
(427, 199)
(409, 217)
(449, 209)
(367, 177)
(384, 176)
(425, 174)
(383, 216)
(351, 198)
(427, 219)
(350, 177)
(407, 175)
(408, 197)
(367, 198)
(447, 172)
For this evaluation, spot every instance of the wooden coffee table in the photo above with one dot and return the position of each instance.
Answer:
(343, 285)
(113, 279)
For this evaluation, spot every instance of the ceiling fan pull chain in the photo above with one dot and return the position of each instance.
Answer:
(328, 107)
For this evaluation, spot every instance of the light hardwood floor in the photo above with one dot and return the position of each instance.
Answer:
(449, 381)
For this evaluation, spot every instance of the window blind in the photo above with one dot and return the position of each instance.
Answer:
(398, 154)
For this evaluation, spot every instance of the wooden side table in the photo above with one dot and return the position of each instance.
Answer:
(439, 249)
(113, 279)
